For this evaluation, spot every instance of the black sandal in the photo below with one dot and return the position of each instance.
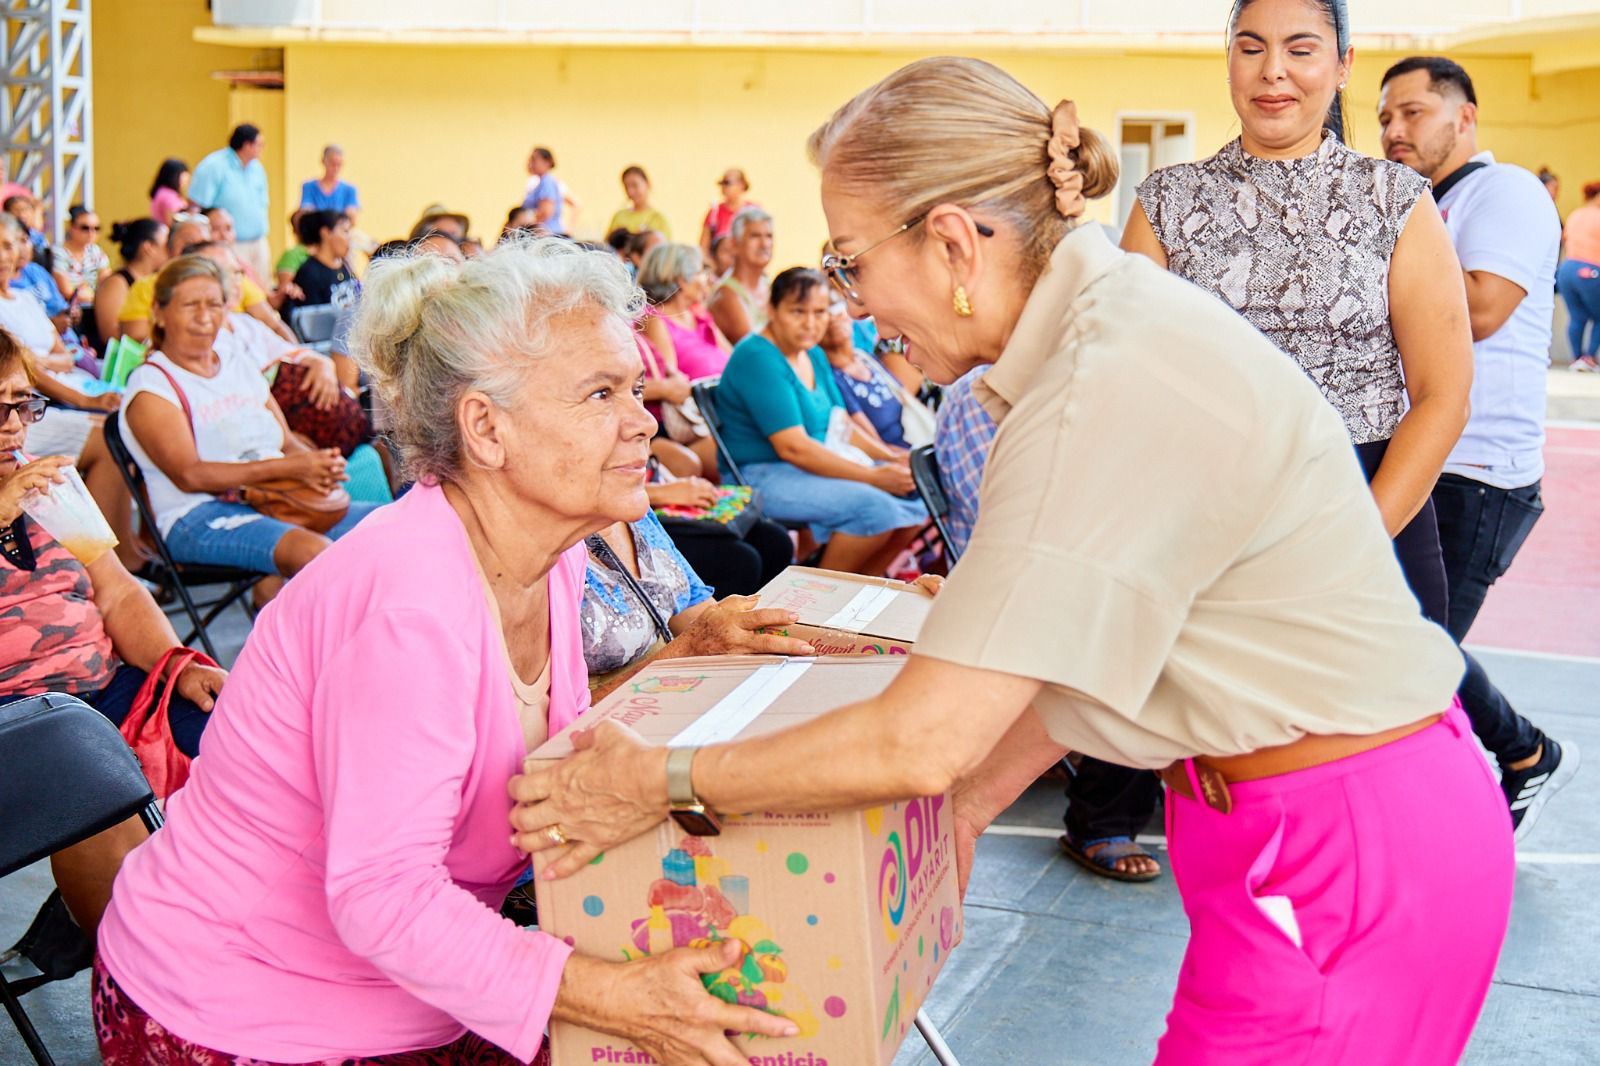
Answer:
(1104, 861)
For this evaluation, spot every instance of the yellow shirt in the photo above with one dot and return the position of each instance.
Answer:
(142, 296)
(639, 221)
(1174, 534)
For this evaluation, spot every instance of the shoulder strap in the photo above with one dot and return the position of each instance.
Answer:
(602, 551)
(183, 401)
(1455, 179)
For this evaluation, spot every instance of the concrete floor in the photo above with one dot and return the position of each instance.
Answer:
(1061, 967)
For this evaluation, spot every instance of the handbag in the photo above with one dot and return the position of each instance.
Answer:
(147, 730)
(683, 421)
(285, 499)
(297, 503)
(737, 510)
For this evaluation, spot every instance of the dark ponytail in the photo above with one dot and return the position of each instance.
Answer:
(130, 236)
(1338, 13)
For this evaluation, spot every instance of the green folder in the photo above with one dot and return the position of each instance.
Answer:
(130, 356)
(109, 367)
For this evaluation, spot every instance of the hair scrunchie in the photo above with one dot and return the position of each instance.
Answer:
(1064, 173)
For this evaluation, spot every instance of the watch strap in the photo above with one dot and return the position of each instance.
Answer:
(680, 789)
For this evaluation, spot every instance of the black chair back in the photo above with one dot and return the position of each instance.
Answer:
(172, 573)
(67, 775)
(314, 324)
(705, 398)
(925, 475)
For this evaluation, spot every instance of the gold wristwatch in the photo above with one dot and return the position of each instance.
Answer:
(692, 816)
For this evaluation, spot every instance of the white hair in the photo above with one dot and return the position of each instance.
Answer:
(750, 216)
(429, 331)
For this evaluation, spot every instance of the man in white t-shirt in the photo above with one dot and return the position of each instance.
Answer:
(1507, 235)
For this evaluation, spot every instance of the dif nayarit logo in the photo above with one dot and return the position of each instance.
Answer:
(916, 858)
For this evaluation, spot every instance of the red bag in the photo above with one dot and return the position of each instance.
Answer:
(147, 730)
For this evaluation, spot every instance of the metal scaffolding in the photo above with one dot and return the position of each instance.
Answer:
(46, 117)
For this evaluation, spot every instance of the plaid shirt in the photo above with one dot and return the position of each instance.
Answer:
(961, 444)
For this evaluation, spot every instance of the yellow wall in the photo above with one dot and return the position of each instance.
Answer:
(423, 124)
(263, 108)
(454, 123)
(154, 97)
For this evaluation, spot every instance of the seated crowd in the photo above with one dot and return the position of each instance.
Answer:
(523, 419)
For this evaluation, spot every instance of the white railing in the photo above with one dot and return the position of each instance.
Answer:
(1140, 18)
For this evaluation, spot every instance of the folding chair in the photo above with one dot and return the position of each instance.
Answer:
(314, 325)
(179, 577)
(65, 775)
(704, 393)
(925, 475)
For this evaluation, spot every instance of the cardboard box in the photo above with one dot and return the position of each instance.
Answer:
(846, 918)
(847, 614)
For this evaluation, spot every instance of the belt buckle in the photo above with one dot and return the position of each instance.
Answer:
(1213, 788)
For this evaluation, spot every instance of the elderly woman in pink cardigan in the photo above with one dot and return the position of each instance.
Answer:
(327, 884)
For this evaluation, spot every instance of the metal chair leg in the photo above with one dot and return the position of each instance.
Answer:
(930, 1033)
(194, 617)
(19, 1018)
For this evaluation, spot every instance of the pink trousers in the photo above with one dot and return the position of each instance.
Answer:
(1349, 914)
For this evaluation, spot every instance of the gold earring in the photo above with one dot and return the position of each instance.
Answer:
(962, 305)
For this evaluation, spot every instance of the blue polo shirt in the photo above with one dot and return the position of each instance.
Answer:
(341, 199)
(221, 180)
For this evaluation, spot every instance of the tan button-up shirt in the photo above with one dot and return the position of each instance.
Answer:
(1174, 533)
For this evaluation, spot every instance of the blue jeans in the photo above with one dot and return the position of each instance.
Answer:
(830, 504)
(1579, 285)
(114, 701)
(1481, 528)
(231, 534)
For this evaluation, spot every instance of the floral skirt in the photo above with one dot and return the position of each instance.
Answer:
(130, 1037)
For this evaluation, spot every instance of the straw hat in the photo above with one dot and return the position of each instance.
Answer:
(432, 214)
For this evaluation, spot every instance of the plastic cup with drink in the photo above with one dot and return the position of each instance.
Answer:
(69, 514)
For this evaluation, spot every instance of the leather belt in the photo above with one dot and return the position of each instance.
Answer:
(1215, 773)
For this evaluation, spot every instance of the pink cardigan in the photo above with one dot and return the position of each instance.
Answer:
(328, 882)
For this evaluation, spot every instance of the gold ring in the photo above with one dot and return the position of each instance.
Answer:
(555, 834)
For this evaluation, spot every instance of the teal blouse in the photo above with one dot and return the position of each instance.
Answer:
(760, 395)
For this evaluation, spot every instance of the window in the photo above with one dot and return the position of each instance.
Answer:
(1147, 143)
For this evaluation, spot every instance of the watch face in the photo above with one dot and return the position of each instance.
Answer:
(697, 821)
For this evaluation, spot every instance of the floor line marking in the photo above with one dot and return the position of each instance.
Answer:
(1549, 656)
(1154, 840)
(1046, 833)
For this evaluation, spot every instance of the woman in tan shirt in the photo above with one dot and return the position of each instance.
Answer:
(1177, 566)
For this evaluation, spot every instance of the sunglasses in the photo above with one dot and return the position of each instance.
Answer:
(841, 269)
(86, 229)
(28, 411)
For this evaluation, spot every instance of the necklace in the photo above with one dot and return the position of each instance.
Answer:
(15, 546)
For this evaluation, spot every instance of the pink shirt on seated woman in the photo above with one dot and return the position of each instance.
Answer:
(386, 873)
(327, 884)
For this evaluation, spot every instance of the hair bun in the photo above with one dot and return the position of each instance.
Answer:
(393, 296)
(119, 232)
(1097, 162)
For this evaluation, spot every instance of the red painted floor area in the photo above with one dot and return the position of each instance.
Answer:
(1550, 599)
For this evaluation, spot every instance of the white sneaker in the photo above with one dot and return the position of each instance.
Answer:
(1586, 364)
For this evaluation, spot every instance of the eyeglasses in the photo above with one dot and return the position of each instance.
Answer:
(28, 411)
(841, 268)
